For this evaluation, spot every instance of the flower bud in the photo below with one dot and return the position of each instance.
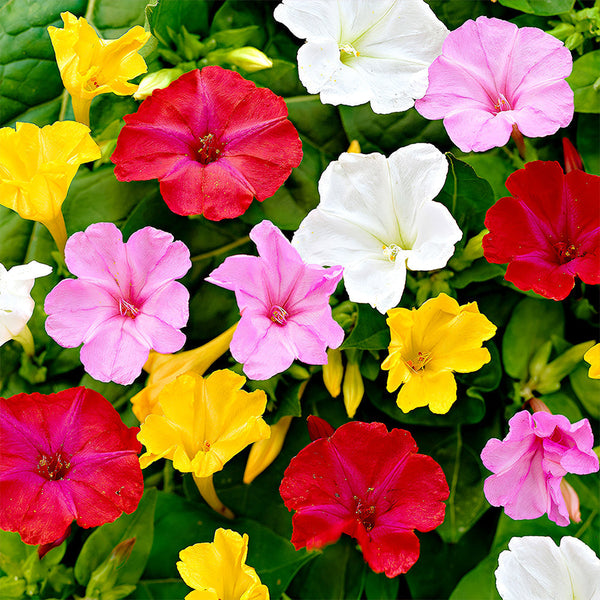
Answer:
(571, 500)
(354, 147)
(559, 368)
(248, 58)
(156, 81)
(333, 372)
(353, 387)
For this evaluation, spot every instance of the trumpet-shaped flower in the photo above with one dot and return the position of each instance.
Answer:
(219, 569)
(213, 140)
(358, 52)
(65, 457)
(16, 303)
(370, 484)
(90, 66)
(164, 368)
(535, 568)
(549, 231)
(377, 218)
(37, 167)
(592, 356)
(125, 302)
(428, 344)
(284, 304)
(205, 422)
(530, 462)
(493, 76)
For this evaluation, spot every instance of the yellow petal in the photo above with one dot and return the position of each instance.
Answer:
(436, 390)
(592, 356)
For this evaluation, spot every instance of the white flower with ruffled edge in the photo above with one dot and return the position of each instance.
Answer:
(16, 304)
(377, 218)
(534, 567)
(359, 51)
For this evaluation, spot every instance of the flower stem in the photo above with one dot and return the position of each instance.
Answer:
(58, 231)
(206, 487)
(517, 136)
(26, 340)
(222, 249)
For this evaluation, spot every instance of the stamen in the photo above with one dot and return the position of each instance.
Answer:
(209, 149)
(391, 251)
(278, 315)
(419, 362)
(348, 49)
(502, 103)
(127, 309)
(53, 468)
(566, 251)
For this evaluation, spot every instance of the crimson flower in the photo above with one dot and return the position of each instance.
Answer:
(213, 140)
(65, 456)
(370, 484)
(549, 232)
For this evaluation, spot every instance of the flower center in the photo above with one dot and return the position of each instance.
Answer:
(502, 103)
(209, 149)
(566, 251)
(278, 315)
(347, 50)
(391, 251)
(53, 468)
(419, 362)
(91, 85)
(127, 309)
(365, 513)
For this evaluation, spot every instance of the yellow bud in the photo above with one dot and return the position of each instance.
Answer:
(250, 59)
(354, 147)
(353, 387)
(156, 81)
(333, 372)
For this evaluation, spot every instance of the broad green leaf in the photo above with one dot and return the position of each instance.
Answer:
(494, 166)
(587, 142)
(480, 583)
(165, 15)
(561, 403)
(453, 13)
(371, 331)
(163, 589)
(102, 541)
(480, 270)
(586, 389)
(380, 587)
(114, 17)
(585, 81)
(532, 323)
(540, 7)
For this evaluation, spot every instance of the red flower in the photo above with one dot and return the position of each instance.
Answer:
(65, 456)
(213, 140)
(370, 484)
(549, 232)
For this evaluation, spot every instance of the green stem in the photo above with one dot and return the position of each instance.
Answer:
(222, 249)
(90, 10)
(587, 523)
(63, 105)
(168, 477)
(454, 482)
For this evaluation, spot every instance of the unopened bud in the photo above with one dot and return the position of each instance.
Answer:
(318, 428)
(156, 81)
(559, 368)
(333, 372)
(538, 405)
(572, 157)
(571, 500)
(354, 147)
(353, 387)
(248, 58)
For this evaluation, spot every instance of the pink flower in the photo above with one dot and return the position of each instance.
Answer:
(284, 305)
(125, 302)
(368, 483)
(213, 140)
(530, 462)
(65, 456)
(492, 75)
(549, 232)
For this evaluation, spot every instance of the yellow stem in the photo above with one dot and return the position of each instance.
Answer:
(206, 487)
(58, 231)
(222, 249)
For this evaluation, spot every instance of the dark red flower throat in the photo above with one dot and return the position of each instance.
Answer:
(208, 149)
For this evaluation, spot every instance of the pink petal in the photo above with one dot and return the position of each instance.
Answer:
(170, 304)
(163, 337)
(478, 130)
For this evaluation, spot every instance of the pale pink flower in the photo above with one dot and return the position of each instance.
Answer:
(284, 304)
(492, 75)
(125, 302)
(530, 462)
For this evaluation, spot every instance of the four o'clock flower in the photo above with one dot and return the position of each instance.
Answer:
(493, 76)
(64, 457)
(369, 483)
(530, 462)
(213, 140)
(359, 51)
(535, 568)
(549, 231)
(16, 303)
(125, 301)
(90, 65)
(284, 304)
(377, 218)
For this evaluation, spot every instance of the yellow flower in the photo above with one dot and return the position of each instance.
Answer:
(37, 167)
(592, 356)
(218, 570)
(90, 65)
(428, 344)
(164, 368)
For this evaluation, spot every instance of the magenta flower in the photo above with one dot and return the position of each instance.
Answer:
(284, 305)
(214, 141)
(125, 302)
(65, 457)
(369, 483)
(492, 75)
(530, 462)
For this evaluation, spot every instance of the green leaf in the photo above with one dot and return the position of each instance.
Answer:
(560, 403)
(371, 331)
(586, 389)
(148, 589)
(480, 583)
(540, 7)
(380, 587)
(98, 547)
(165, 15)
(480, 270)
(585, 82)
(587, 143)
(453, 13)
(532, 323)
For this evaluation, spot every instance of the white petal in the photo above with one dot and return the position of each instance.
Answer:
(310, 19)
(584, 567)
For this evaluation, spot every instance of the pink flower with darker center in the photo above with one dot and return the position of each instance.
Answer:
(493, 75)
(64, 457)
(213, 140)
(125, 302)
(284, 304)
(530, 462)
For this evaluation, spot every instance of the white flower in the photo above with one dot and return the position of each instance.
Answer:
(359, 51)
(16, 304)
(536, 569)
(377, 218)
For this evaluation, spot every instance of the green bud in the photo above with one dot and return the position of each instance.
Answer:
(560, 367)
(345, 314)
(248, 58)
(103, 579)
(562, 31)
(156, 81)
(471, 252)
(539, 360)
(574, 41)
(298, 372)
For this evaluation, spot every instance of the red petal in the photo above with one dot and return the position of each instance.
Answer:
(318, 428)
